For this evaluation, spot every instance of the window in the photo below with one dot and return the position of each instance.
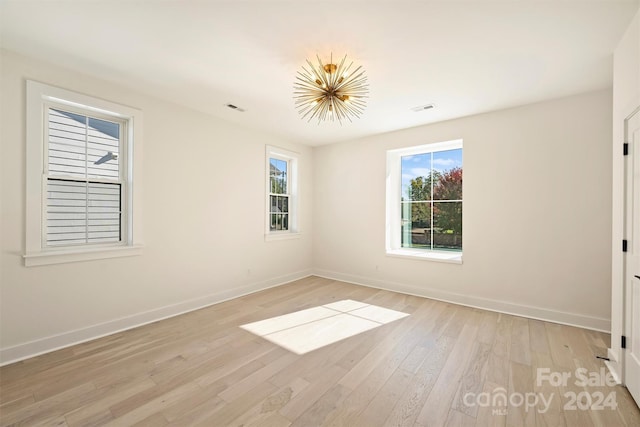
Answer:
(84, 179)
(279, 196)
(282, 171)
(80, 184)
(424, 201)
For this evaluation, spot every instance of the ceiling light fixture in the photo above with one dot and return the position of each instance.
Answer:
(330, 92)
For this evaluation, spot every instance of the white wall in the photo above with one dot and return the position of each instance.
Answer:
(626, 98)
(203, 223)
(536, 216)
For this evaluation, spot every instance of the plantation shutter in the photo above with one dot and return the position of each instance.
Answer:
(84, 199)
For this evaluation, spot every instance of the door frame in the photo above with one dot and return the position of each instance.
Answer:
(626, 280)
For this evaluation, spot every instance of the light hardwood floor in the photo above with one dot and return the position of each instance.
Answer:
(202, 369)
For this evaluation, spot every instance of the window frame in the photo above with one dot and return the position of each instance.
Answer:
(41, 97)
(393, 220)
(292, 192)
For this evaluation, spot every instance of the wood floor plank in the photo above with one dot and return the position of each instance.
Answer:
(239, 388)
(538, 341)
(52, 407)
(96, 419)
(558, 346)
(110, 397)
(143, 405)
(307, 397)
(410, 403)
(228, 412)
(197, 413)
(206, 399)
(153, 420)
(520, 350)
(491, 415)
(436, 408)
(521, 383)
(502, 340)
(324, 408)
(488, 326)
(473, 379)
(201, 368)
(384, 400)
(549, 411)
(459, 419)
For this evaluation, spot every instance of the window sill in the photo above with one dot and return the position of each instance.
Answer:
(281, 236)
(452, 258)
(79, 254)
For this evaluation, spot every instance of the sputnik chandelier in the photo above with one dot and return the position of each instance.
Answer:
(330, 92)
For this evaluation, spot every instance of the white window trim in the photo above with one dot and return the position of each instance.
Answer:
(393, 211)
(38, 95)
(292, 160)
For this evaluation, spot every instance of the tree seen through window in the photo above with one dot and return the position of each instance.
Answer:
(431, 202)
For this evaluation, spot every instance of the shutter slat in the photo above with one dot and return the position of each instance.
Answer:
(105, 240)
(65, 236)
(57, 138)
(66, 159)
(100, 146)
(103, 234)
(92, 173)
(76, 193)
(110, 216)
(66, 209)
(106, 221)
(66, 216)
(65, 242)
(66, 229)
(65, 222)
(100, 138)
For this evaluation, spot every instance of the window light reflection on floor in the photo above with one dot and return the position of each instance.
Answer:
(307, 330)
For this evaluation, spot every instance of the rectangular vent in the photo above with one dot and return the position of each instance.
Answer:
(422, 108)
(235, 107)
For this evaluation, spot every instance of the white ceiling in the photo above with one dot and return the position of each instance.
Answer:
(466, 57)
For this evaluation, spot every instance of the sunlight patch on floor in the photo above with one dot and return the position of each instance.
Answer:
(310, 329)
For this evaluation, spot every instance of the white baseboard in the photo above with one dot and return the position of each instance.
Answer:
(565, 318)
(66, 339)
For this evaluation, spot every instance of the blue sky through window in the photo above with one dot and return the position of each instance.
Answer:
(420, 164)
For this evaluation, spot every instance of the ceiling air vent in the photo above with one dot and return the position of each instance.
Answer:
(423, 107)
(235, 107)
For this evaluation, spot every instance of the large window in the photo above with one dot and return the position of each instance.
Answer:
(424, 201)
(80, 182)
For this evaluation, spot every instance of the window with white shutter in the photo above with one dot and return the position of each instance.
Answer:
(84, 180)
(83, 155)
